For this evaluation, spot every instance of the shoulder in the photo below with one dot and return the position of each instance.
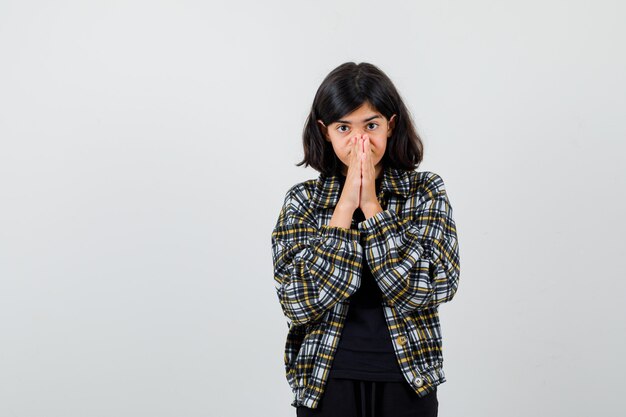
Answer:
(301, 191)
(427, 180)
(298, 197)
(425, 185)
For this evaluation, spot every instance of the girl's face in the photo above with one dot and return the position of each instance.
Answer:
(364, 120)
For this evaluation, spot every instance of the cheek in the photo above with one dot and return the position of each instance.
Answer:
(342, 150)
(378, 144)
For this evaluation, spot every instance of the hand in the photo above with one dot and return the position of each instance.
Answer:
(351, 194)
(368, 199)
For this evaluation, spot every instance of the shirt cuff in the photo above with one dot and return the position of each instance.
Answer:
(378, 221)
(339, 232)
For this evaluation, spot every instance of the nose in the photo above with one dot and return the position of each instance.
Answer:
(358, 132)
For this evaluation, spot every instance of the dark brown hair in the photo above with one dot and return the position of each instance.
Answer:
(344, 90)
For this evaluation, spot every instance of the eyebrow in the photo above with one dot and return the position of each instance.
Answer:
(366, 120)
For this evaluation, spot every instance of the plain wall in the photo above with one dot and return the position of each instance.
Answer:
(146, 148)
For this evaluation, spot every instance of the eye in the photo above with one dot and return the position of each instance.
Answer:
(375, 124)
(339, 128)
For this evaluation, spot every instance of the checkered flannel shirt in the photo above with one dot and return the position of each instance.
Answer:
(413, 252)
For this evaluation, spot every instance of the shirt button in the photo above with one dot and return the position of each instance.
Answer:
(418, 381)
(401, 340)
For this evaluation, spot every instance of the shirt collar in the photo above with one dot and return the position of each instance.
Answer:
(328, 187)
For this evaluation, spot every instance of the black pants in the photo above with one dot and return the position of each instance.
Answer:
(354, 398)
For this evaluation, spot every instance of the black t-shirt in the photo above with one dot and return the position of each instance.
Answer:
(365, 350)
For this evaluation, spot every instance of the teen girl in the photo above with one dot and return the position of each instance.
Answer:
(363, 256)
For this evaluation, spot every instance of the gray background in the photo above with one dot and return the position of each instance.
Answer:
(146, 147)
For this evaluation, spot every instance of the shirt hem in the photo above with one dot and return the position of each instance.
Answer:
(367, 376)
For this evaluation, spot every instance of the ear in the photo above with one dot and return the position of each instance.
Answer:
(324, 129)
(392, 124)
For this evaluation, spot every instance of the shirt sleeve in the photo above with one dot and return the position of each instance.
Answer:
(313, 268)
(415, 259)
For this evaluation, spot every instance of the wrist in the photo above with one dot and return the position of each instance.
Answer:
(371, 209)
(345, 207)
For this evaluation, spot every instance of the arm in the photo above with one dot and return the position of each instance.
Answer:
(415, 260)
(313, 269)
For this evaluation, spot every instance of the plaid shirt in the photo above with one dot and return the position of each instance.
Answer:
(412, 250)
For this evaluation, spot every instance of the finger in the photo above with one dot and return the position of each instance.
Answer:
(355, 153)
(363, 165)
(366, 148)
(367, 171)
(369, 159)
(361, 154)
(352, 149)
